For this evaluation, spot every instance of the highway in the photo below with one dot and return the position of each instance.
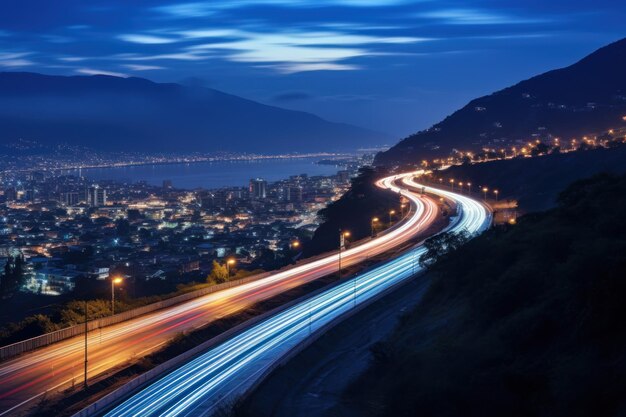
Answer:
(221, 374)
(25, 379)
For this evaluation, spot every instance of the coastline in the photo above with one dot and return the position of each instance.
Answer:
(186, 160)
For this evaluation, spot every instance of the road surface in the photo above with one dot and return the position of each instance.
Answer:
(25, 379)
(202, 385)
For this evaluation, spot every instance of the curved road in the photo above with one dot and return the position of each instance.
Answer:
(200, 386)
(23, 380)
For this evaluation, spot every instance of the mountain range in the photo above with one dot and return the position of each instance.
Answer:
(133, 114)
(585, 98)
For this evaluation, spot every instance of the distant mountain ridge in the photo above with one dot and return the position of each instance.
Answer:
(134, 114)
(586, 97)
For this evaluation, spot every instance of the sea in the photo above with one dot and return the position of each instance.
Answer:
(211, 175)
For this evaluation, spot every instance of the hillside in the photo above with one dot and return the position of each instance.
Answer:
(584, 98)
(536, 182)
(525, 320)
(134, 114)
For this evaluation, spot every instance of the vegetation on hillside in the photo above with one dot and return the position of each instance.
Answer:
(536, 182)
(525, 320)
(354, 212)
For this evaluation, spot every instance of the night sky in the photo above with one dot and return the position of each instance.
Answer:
(396, 66)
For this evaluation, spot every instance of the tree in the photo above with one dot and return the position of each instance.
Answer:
(122, 228)
(13, 275)
(440, 245)
(219, 273)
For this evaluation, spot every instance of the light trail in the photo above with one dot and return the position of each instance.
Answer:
(228, 370)
(28, 377)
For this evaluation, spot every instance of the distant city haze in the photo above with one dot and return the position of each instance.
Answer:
(210, 175)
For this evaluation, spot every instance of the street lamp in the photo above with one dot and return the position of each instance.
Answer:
(402, 207)
(496, 192)
(391, 213)
(114, 281)
(469, 188)
(230, 262)
(86, 319)
(485, 189)
(461, 187)
(373, 224)
(343, 235)
(452, 183)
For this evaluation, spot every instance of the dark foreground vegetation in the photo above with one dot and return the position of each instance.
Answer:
(526, 320)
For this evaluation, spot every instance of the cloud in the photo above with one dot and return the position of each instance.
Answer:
(203, 9)
(292, 68)
(138, 67)
(176, 56)
(146, 39)
(72, 58)
(292, 96)
(78, 27)
(15, 59)
(91, 71)
(287, 51)
(474, 17)
(57, 39)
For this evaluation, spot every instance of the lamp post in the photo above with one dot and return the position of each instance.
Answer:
(86, 318)
(391, 213)
(229, 262)
(461, 187)
(373, 225)
(496, 192)
(452, 184)
(342, 243)
(485, 189)
(114, 281)
(469, 188)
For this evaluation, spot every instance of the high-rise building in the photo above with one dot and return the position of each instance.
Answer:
(294, 194)
(69, 198)
(10, 194)
(343, 176)
(258, 188)
(96, 196)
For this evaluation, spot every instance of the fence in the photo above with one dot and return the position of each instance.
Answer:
(79, 329)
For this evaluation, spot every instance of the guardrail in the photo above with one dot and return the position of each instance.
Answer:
(79, 329)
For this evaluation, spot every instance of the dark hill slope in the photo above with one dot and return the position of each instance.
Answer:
(587, 97)
(526, 320)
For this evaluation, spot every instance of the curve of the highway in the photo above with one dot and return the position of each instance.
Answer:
(24, 379)
(228, 370)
